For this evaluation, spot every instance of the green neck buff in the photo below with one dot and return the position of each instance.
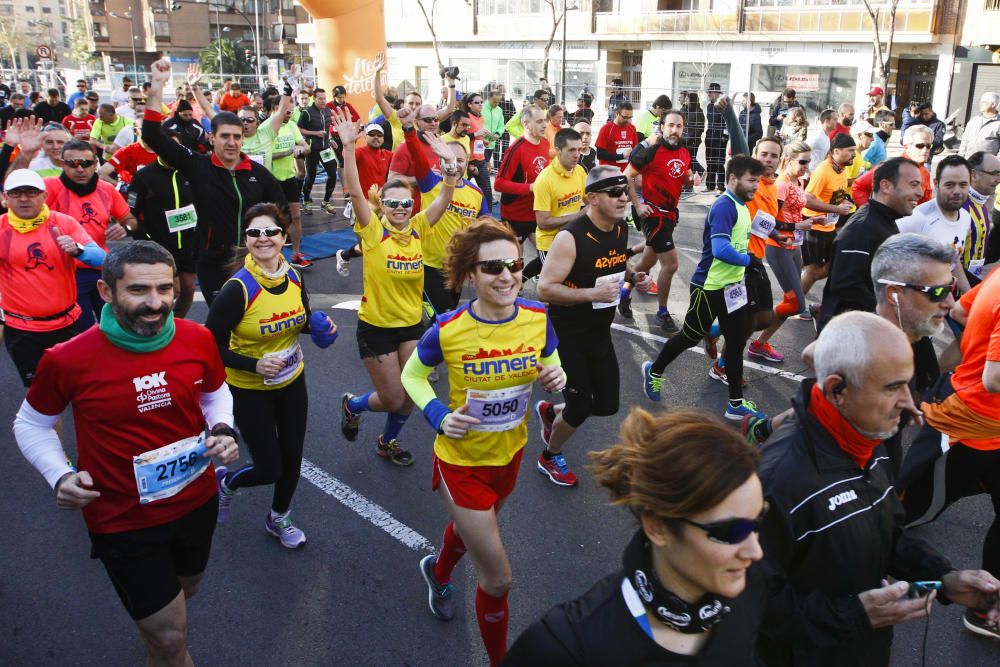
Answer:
(133, 342)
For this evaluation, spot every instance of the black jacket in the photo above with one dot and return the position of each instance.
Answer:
(832, 531)
(779, 112)
(150, 195)
(715, 125)
(598, 629)
(221, 196)
(849, 286)
(51, 114)
(694, 122)
(752, 128)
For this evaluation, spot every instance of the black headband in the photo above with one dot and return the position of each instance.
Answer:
(605, 183)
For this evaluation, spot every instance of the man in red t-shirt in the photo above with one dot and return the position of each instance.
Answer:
(234, 99)
(845, 118)
(373, 168)
(125, 162)
(522, 162)
(145, 480)
(617, 139)
(401, 166)
(80, 122)
(37, 272)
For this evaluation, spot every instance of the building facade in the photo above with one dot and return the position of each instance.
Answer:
(27, 25)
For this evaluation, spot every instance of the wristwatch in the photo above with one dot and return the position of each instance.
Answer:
(79, 249)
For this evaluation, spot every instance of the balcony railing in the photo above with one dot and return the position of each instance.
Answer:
(669, 22)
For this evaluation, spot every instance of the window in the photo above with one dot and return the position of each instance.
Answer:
(162, 29)
(288, 6)
(100, 30)
(46, 10)
(29, 9)
(817, 87)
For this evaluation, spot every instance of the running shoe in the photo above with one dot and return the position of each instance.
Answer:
(652, 290)
(666, 322)
(765, 351)
(749, 426)
(717, 372)
(282, 528)
(712, 346)
(343, 267)
(438, 596)
(542, 410)
(348, 210)
(742, 410)
(349, 422)
(329, 208)
(976, 622)
(299, 261)
(625, 305)
(225, 495)
(393, 452)
(651, 384)
(307, 208)
(557, 470)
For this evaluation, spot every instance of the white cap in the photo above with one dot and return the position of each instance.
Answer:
(374, 127)
(862, 127)
(23, 178)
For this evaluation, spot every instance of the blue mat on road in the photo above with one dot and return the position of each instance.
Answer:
(325, 244)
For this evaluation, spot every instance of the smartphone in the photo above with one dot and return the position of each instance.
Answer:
(919, 589)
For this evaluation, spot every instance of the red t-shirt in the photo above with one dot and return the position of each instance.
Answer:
(355, 117)
(402, 163)
(37, 278)
(128, 404)
(861, 189)
(79, 127)
(93, 211)
(230, 103)
(521, 165)
(664, 176)
(131, 159)
(373, 166)
(839, 129)
(621, 139)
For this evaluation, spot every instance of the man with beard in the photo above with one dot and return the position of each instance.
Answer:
(717, 288)
(834, 533)
(402, 165)
(985, 179)
(99, 208)
(665, 168)
(943, 218)
(145, 481)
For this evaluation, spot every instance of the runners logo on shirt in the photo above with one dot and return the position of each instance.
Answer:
(571, 199)
(841, 498)
(486, 365)
(279, 322)
(37, 257)
(404, 264)
(464, 210)
(151, 391)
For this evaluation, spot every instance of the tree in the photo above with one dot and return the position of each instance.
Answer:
(80, 46)
(11, 41)
(557, 17)
(429, 18)
(232, 62)
(883, 54)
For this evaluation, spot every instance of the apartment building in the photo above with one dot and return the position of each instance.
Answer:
(26, 25)
(977, 58)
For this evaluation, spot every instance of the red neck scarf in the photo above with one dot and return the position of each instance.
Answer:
(855, 445)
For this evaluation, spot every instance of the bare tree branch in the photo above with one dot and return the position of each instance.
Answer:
(556, 20)
(429, 18)
(883, 54)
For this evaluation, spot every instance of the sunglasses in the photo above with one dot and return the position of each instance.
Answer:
(803, 162)
(429, 119)
(989, 173)
(615, 192)
(936, 293)
(375, 134)
(731, 531)
(269, 232)
(248, 120)
(922, 146)
(77, 164)
(495, 267)
(397, 203)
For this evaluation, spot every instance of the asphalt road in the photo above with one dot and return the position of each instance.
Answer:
(353, 594)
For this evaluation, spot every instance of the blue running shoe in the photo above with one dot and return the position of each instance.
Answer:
(651, 384)
(744, 409)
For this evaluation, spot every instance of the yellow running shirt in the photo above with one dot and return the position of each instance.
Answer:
(394, 271)
(561, 194)
(466, 205)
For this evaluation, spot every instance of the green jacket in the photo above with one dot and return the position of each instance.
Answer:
(492, 122)
(647, 121)
(514, 127)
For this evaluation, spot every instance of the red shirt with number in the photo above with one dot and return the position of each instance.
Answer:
(93, 211)
(126, 161)
(79, 127)
(128, 404)
(620, 139)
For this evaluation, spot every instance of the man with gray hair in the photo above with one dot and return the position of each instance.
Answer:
(982, 133)
(833, 533)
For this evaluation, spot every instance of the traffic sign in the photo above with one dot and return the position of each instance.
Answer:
(43, 52)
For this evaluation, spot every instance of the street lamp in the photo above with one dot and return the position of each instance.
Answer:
(127, 15)
(562, 81)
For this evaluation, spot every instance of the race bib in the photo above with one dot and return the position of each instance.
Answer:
(327, 155)
(291, 359)
(165, 472)
(736, 296)
(179, 219)
(616, 278)
(762, 225)
(976, 267)
(258, 158)
(498, 409)
(832, 218)
(479, 147)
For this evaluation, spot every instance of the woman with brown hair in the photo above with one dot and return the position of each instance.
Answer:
(495, 347)
(688, 591)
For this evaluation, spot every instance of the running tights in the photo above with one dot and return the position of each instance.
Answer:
(272, 422)
(787, 268)
(705, 307)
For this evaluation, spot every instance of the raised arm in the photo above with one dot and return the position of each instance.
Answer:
(26, 133)
(348, 133)
(383, 103)
(171, 152)
(449, 104)
(193, 79)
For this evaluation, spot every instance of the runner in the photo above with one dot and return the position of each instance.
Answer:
(80, 122)
(37, 272)
(389, 323)
(985, 179)
(558, 193)
(373, 169)
(717, 288)
(256, 321)
(144, 477)
(482, 430)
(688, 580)
(98, 207)
(582, 280)
(121, 168)
(314, 125)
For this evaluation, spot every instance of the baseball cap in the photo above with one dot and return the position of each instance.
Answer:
(23, 178)
(862, 127)
(875, 91)
(374, 127)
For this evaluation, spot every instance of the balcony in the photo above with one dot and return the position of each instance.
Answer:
(614, 23)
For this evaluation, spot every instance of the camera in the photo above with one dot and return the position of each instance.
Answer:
(449, 72)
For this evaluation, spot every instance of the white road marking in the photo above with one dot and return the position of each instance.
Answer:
(365, 508)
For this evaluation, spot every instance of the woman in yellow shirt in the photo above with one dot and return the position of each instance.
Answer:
(389, 318)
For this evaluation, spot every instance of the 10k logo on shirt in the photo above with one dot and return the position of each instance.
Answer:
(151, 391)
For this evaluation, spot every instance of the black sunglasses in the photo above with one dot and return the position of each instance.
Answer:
(256, 232)
(803, 162)
(430, 119)
(495, 267)
(935, 293)
(248, 120)
(731, 531)
(615, 192)
(397, 203)
(77, 164)
(922, 146)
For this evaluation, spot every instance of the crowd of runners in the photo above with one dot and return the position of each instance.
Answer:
(778, 539)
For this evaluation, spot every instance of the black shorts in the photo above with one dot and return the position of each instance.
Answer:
(522, 229)
(659, 232)
(375, 341)
(27, 347)
(292, 190)
(144, 564)
(759, 296)
(817, 248)
(592, 374)
(184, 259)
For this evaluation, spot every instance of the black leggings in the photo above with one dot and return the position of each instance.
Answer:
(273, 425)
(211, 277)
(483, 181)
(437, 293)
(705, 307)
(592, 382)
(312, 163)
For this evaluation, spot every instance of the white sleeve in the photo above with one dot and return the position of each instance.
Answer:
(912, 223)
(36, 436)
(217, 406)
